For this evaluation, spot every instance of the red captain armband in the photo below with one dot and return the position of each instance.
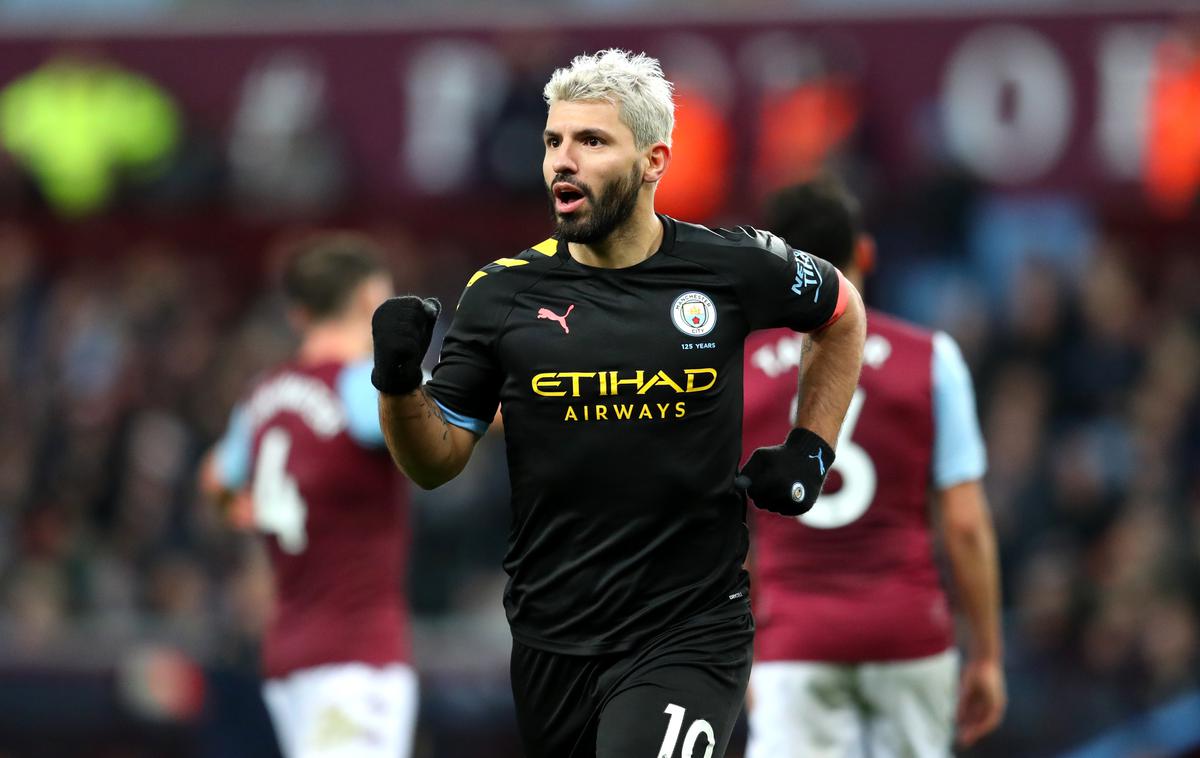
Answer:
(843, 298)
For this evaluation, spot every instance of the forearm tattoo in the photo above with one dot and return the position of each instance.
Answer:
(435, 411)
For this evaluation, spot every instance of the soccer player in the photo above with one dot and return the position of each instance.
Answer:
(615, 351)
(307, 443)
(855, 651)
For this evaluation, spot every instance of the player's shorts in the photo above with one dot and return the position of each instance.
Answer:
(877, 710)
(676, 696)
(344, 710)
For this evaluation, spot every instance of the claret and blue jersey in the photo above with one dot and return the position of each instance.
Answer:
(334, 509)
(854, 579)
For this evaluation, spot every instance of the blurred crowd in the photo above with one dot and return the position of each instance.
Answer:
(1090, 408)
(115, 376)
(1085, 348)
(37, 10)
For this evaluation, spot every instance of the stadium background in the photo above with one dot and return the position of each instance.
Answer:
(1030, 170)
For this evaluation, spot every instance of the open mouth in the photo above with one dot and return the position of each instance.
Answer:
(567, 198)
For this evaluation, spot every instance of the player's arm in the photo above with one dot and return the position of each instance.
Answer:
(431, 429)
(376, 419)
(208, 478)
(224, 470)
(428, 449)
(971, 548)
(830, 368)
(812, 297)
(966, 524)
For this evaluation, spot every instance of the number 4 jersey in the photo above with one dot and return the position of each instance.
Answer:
(854, 579)
(334, 509)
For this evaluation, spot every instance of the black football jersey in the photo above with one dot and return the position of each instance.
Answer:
(621, 392)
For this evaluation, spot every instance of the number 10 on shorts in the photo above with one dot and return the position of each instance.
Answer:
(675, 726)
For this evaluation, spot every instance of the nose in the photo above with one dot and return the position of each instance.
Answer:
(562, 162)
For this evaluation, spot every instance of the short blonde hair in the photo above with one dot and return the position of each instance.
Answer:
(634, 83)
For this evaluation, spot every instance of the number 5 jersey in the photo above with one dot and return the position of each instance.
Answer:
(854, 579)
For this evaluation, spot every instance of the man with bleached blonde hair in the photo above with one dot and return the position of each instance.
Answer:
(615, 348)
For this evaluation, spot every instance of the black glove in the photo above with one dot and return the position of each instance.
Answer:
(787, 478)
(402, 328)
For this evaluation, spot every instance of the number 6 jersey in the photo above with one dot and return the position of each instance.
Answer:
(854, 579)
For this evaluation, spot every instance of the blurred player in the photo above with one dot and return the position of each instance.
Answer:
(615, 349)
(306, 442)
(854, 654)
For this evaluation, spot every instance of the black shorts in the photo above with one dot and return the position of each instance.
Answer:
(676, 696)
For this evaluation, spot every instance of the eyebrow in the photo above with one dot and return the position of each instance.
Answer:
(581, 134)
(593, 132)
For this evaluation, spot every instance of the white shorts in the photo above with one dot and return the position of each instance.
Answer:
(899, 709)
(344, 710)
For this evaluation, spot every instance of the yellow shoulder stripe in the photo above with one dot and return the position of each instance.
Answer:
(505, 262)
(547, 247)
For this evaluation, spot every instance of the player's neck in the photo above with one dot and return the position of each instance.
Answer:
(630, 244)
(330, 342)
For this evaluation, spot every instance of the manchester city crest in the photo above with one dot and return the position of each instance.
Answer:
(694, 314)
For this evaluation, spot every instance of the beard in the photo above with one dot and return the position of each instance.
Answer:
(609, 211)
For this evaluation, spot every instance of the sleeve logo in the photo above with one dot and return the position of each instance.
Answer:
(807, 275)
(694, 314)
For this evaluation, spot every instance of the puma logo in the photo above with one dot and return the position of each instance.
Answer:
(820, 462)
(562, 320)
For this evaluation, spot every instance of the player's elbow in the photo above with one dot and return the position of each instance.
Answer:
(425, 476)
(967, 533)
(426, 484)
(964, 514)
(431, 474)
(426, 480)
